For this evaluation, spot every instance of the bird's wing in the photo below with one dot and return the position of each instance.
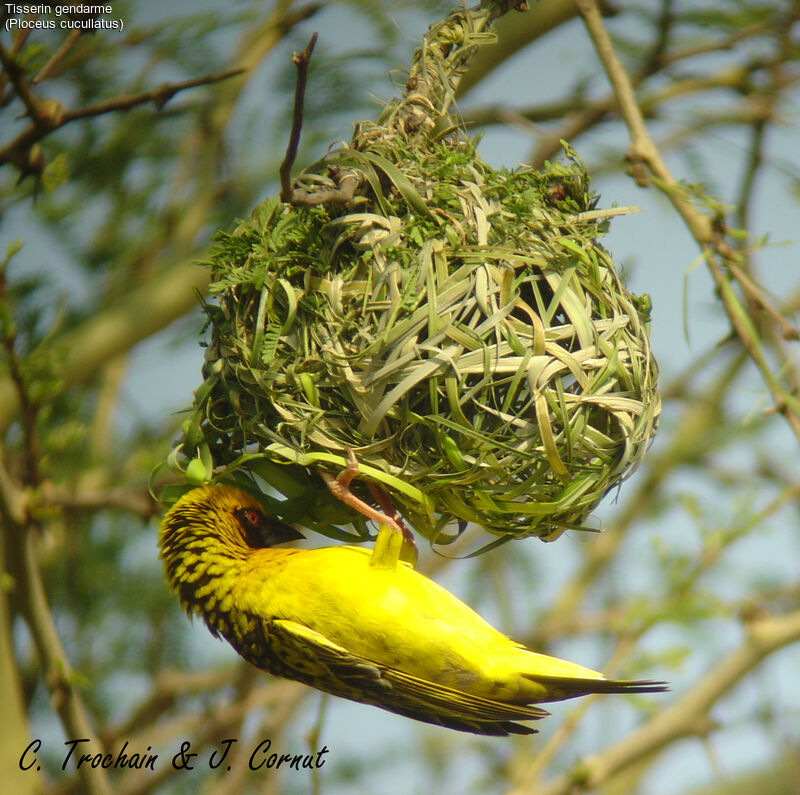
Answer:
(312, 658)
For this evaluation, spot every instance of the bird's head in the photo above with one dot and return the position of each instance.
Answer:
(211, 528)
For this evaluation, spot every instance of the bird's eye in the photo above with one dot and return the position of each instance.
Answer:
(259, 531)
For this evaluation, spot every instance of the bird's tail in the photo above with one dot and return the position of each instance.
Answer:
(561, 687)
(545, 678)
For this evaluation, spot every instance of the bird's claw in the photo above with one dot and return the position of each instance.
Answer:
(339, 486)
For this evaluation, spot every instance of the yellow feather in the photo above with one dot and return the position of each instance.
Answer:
(362, 625)
(387, 550)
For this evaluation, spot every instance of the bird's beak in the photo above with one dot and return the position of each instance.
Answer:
(280, 533)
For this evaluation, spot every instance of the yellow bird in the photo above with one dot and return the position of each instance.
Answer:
(361, 626)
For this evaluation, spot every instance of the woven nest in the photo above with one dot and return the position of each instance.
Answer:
(458, 326)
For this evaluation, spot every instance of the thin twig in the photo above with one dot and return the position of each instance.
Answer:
(159, 96)
(57, 56)
(20, 38)
(301, 60)
(275, 721)
(21, 88)
(52, 116)
(679, 594)
(312, 738)
(664, 30)
(590, 112)
(760, 301)
(139, 503)
(30, 412)
(725, 43)
(768, 100)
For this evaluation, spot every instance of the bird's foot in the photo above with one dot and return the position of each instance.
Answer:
(339, 486)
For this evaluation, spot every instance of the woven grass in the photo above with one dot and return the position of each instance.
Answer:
(458, 326)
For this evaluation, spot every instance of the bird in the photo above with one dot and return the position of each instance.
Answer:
(358, 623)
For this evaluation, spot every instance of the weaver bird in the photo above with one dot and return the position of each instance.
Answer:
(359, 624)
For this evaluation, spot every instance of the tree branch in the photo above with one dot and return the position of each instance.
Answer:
(122, 499)
(644, 157)
(56, 670)
(30, 408)
(50, 115)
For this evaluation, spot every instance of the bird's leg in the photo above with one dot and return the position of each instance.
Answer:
(339, 486)
(395, 541)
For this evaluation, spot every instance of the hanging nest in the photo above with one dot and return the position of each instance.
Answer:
(457, 326)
